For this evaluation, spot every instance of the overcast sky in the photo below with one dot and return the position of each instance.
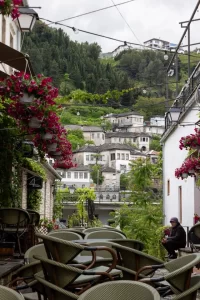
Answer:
(147, 18)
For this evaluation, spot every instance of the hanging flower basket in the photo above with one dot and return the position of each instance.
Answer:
(57, 153)
(34, 123)
(26, 98)
(52, 147)
(184, 175)
(47, 136)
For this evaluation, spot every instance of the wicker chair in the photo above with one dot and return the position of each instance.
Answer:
(35, 250)
(66, 251)
(14, 222)
(121, 290)
(54, 292)
(71, 230)
(24, 278)
(92, 229)
(72, 278)
(130, 261)
(9, 294)
(178, 273)
(133, 244)
(65, 235)
(104, 234)
(191, 293)
(102, 257)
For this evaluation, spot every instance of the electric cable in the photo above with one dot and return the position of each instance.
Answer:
(90, 12)
(125, 21)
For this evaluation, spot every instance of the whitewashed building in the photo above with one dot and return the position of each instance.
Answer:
(140, 140)
(127, 122)
(93, 134)
(181, 197)
(113, 155)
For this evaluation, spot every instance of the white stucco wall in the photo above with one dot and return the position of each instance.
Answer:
(173, 158)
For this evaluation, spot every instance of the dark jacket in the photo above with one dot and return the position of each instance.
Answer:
(178, 235)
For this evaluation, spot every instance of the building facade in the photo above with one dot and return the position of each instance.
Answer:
(181, 197)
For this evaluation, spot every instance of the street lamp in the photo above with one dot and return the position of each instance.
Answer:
(27, 19)
(172, 116)
(166, 56)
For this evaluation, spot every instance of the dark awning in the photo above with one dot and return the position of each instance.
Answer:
(15, 59)
(3, 75)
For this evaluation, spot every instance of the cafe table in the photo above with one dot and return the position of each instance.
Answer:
(7, 269)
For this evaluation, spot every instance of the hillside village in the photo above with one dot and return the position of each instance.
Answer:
(99, 129)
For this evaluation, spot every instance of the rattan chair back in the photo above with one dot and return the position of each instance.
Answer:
(54, 292)
(133, 244)
(8, 294)
(121, 290)
(35, 250)
(103, 254)
(65, 235)
(73, 230)
(34, 217)
(132, 260)
(57, 273)
(180, 270)
(60, 250)
(14, 218)
(104, 234)
(191, 293)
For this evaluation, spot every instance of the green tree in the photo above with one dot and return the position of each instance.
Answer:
(142, 218)
(84, 195)
(150, 106)
(124, 182)
(155, 143)
(96, 174)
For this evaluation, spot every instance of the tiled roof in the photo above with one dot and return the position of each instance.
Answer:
(85, 128)
(108, 170)
(104, 147)
(80, 168)
(130, 113)
(126, 134)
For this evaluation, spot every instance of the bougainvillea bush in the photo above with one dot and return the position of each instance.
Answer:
(190, 167)
(10, 7)
(191, 141)
(31, 102)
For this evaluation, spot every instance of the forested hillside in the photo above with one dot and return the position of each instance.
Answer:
(77, 70)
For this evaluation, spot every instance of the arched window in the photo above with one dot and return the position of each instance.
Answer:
(114, 197)
(101, 197)
(108, 196)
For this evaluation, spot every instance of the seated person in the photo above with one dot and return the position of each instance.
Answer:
(176, 238)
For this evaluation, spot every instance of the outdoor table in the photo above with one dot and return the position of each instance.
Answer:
(7, 268)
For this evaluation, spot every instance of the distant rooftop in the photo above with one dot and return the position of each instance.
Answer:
(126, 134)
(84, 128)
(130, 113)
(104, 147)
(156, 40)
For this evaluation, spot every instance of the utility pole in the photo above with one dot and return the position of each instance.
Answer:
(184, 33)
(176, 65)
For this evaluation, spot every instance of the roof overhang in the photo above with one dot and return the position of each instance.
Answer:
(187, 108)
(15, 59)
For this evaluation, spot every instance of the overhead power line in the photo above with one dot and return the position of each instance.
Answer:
(91, 12)
(126, 21)
(114, 39)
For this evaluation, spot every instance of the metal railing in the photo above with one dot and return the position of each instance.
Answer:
(189, 88)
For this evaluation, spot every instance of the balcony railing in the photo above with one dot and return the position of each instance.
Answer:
(190, 86)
